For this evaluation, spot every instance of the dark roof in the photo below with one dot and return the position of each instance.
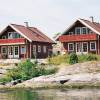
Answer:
(31, 33)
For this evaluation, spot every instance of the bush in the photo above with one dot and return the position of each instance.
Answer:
(91, 57)
(5, 80)
(27, 70)
(73, 58)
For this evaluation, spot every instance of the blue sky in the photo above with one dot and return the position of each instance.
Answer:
(50, 16)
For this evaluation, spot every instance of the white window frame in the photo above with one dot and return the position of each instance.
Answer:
(2, 49)
(12, 34)
(44, 49)
(22, 51)
(95, 46)
(34, 48)
(68, 46)
(39, 48)
(80, 30)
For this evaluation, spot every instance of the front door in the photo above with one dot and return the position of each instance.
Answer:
(16, 51)
(13, 52)
(10, 52)
(85, 47)
(78, 48)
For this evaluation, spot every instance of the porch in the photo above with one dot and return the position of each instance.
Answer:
(81, 47)
(13, 51)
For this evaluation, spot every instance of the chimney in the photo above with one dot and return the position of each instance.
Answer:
(26, 24)
(92, 18)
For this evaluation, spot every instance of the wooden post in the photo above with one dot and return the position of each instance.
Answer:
(30, 51)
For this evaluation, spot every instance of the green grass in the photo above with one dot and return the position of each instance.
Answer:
(60, 59)
(57, 60)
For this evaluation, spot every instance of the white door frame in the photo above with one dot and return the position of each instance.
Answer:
(87, 48)
(10, 52)
(79, 48)
(16, 56)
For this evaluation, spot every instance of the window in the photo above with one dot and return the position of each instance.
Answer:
(12, 35)
(23, 50)
(34, 48)
(16, 35)
(84, 30)
(4, 37)
(4, 50)
(92, 46)
(78, 30)
(44, 49)
(16, 50)
(85, 47)
(39, 48)
(70, 46)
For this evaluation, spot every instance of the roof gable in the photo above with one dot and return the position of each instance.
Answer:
(30, 33)
(95, 27)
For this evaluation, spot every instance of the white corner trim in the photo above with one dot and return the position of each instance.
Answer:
(95, 46)
(19, 32)
(89, 26)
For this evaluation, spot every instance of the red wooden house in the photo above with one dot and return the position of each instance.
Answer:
(82, 37)
(17, 41)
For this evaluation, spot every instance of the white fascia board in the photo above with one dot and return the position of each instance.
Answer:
(89, 26)
(20, 32)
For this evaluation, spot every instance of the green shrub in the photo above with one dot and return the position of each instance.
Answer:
(27, 70)
(91, 57)
(73, 58)
(5, 80)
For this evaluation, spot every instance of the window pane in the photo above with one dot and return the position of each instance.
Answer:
(84, 30)
(23, 50)
(84, 47)
(71, 47)
(93, 45)
(78, 30)
(44, 49)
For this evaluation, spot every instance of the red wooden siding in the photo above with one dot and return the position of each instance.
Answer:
(71, 38)
(8, 41)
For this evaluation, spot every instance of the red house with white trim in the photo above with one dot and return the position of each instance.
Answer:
(82, 37)
(17, 41)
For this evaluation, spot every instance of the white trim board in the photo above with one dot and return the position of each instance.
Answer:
(20, 32)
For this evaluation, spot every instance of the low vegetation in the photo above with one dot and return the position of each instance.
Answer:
(27, 70)
(72, 58)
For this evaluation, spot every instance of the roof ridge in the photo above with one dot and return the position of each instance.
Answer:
(17, 25)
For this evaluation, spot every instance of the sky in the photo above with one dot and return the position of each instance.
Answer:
(50, 16)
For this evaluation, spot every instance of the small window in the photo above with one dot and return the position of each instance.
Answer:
(44, 49)
(84, 30)
(92, 46)
(4, 50)
(70, 46)
(34, 48)
(78, 30)
(39, 48)
(23, 50)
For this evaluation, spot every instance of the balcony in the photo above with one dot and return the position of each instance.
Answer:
(73, 38)
(12, 41)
